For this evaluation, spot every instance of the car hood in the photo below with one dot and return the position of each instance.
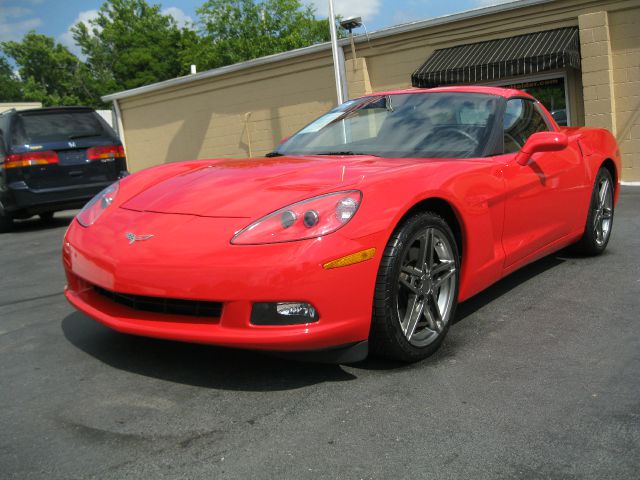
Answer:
(248, 188)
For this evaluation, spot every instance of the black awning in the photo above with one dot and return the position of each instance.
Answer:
(496, 59)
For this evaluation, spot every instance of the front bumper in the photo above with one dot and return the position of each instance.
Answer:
(191, 258)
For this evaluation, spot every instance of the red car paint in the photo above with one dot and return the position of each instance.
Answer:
(509, 215)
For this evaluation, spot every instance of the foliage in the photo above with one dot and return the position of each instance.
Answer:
(131, 43)
(49, 72)
(233, 31)
(10, 90)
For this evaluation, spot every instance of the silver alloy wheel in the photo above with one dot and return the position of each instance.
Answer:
(603, 212)
(426, 287)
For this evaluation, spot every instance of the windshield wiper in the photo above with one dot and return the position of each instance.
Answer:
(85, 135)
(346, 152)
(338, 153)
(274, 154)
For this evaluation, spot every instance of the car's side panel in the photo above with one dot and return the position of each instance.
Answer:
(596, 146)
(474, 189)
(542, 200)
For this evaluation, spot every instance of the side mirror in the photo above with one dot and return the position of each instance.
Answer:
(542, 142)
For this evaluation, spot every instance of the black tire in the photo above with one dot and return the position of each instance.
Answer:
(46, 217)
(402, 286)
(6, 221)
(599, 223)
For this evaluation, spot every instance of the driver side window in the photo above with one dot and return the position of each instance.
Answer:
(521, 120)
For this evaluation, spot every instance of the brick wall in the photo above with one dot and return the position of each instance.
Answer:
(597, 70)
(625, 46)
(243, 114)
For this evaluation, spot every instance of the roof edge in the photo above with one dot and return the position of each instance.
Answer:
(299, 52)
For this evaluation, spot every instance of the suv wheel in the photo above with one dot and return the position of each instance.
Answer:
(6, 221)
(46, 217)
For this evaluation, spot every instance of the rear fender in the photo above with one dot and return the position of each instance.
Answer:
(598, 146)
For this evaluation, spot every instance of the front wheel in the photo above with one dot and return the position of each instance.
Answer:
(600, 217)
(416, 289)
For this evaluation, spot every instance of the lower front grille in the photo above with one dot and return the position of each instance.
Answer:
(172, 306)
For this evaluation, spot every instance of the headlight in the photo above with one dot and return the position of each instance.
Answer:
(98, 204)
(306, 219)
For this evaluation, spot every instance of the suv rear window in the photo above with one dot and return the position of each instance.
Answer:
(48, 127)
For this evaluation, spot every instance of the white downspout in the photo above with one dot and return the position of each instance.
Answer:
(119, 126)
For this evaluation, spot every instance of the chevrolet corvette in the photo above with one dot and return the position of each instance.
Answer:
(361, 232)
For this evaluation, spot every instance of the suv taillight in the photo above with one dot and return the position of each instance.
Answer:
(28, 159)
(110, 151)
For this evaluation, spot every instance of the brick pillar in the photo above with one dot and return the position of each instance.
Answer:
(597, 71)
(358, 82)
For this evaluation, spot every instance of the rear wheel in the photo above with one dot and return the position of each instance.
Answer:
(600, 217)
(416, 290)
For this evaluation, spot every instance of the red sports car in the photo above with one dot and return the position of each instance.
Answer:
(360, 232)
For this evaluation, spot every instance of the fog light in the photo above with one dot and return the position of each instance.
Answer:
(296, 309)
(283, 313)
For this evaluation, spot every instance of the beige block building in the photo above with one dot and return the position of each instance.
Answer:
(19, 106)
(586, 69)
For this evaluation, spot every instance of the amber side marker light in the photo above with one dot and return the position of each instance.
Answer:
(357, 257)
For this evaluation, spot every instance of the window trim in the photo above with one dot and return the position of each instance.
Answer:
(534, 78)
(536, 106)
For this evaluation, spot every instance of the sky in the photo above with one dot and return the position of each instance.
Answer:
(55, 17)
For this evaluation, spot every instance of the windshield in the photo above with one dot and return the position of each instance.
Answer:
(414, 125)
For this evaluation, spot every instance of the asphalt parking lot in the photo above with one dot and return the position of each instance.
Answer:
(539, 378)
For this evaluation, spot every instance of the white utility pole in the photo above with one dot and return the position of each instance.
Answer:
(336, 58)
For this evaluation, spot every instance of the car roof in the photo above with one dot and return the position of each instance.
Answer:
(32, 111)
(498, 91)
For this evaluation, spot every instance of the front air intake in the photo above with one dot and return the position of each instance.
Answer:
(170, 306)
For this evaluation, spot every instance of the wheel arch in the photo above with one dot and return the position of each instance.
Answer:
(447, 211)
(610, 165)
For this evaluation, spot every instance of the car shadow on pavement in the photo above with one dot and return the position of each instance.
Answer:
(36, 223)
(504, 286)
(469, 307)
(192, 364)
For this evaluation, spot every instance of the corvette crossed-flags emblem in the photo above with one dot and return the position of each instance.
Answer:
(132, 237)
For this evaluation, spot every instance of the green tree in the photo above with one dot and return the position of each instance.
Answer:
(130, 44)
(10, 90)
(233, 31)
(49, 72)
